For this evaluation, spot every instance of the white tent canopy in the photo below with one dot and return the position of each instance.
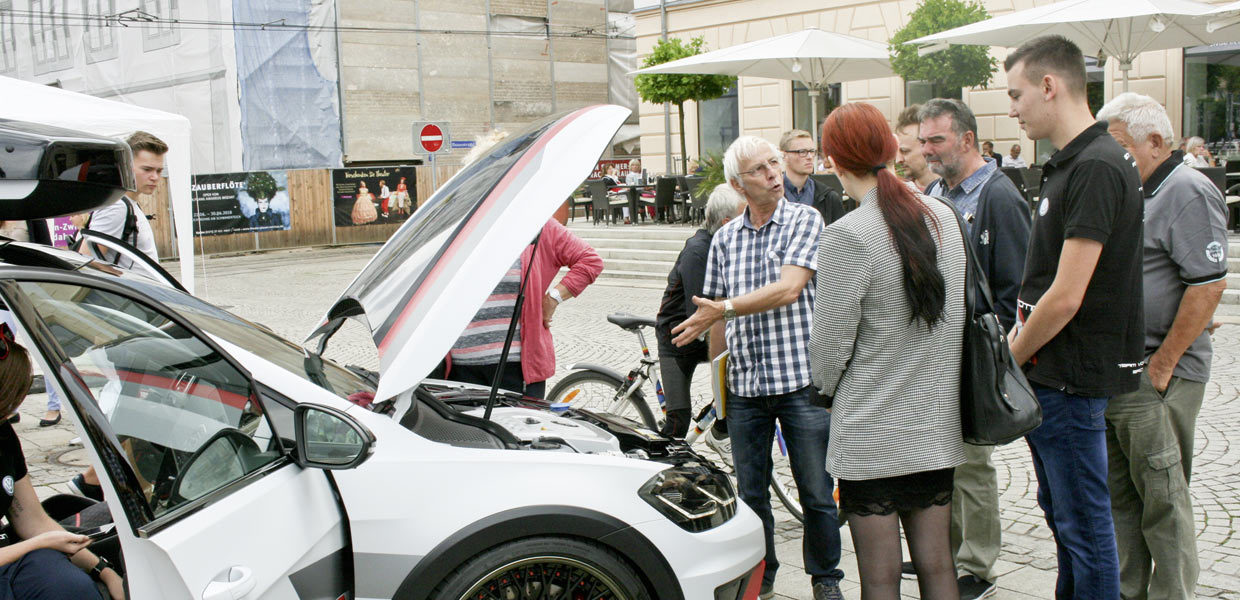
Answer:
(1121, 30)
(27, 101)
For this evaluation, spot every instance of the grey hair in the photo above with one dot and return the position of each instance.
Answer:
(963, 120)
(1142, 114)
(746, 146)
(1192, 142)
(722, 205)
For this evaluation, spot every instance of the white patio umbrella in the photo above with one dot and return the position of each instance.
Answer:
(1224, 16)
(1119, 29)
(814, 57)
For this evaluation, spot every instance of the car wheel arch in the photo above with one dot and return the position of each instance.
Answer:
(541, 521)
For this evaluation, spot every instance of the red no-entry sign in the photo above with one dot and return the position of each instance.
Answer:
(431, 138)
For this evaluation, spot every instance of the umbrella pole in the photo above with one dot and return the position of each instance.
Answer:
(813, 117)
(1125, 67)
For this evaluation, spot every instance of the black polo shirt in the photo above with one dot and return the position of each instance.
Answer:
(12, 466)
(1090, 189)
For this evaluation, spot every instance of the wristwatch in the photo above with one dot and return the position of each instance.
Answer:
(96, 572)
(729, 312)
(556, 295)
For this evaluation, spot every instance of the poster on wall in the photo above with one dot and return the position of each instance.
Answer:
(373, 195)
(227, 203)
(62, 231)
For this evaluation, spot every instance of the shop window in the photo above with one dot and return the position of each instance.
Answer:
(8, 39)
(718, 123)
(828, 99)
(98, 37)
(164, 31)
(1212, 97)
(917, 92)
(49, 36)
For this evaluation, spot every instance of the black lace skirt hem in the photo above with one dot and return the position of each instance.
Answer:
(900, 494)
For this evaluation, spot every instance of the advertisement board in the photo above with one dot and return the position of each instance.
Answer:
(244, 202)
(373, 195)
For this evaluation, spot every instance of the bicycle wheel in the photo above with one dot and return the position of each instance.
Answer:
(601, 392)
(782, 483)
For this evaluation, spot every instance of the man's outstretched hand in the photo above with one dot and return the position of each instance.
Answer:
(708, 312)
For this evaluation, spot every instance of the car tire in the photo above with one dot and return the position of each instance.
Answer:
(551, 567)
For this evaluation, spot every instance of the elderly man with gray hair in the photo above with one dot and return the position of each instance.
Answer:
(760, 274)
(684, 282)
(1150, 431)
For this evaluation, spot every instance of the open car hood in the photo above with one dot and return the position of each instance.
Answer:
(425, 284)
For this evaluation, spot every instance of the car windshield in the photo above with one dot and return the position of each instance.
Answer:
(258, 340)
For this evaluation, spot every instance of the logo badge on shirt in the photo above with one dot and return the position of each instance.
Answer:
(1214, 252)
(8, 484)
(985, 237)
(1044, 206)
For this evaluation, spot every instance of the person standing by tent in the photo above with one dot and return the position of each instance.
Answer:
(125, 221)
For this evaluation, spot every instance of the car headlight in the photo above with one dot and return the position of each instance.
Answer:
(694, 497)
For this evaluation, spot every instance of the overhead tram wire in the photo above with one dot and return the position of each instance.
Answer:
(139, 20)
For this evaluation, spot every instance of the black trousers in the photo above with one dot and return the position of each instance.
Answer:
(48, 575)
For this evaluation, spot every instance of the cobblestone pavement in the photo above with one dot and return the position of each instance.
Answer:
(290, 290)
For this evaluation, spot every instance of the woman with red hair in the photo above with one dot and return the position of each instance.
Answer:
(886, 344)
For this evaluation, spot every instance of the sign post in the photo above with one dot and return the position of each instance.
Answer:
(431, 138)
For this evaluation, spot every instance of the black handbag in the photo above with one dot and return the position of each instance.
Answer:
(997, 404)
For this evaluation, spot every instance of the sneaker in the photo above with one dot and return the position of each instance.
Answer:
(828, 591)
(907, 570)
(767, 591)
(973, 587)
(78, 486)
(721, 443)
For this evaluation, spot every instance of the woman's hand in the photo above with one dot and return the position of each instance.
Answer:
(61, 540)
(116, 585)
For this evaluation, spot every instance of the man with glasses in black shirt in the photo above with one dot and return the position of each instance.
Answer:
(799, 157)
(1080, 329)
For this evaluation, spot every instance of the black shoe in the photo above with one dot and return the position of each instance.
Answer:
(973, 587)
(50, 422)
(78, 486)
(767, 591)
(14, 418)
(828, 591)
(907, 570)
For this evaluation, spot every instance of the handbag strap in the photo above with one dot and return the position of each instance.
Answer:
(974, 278)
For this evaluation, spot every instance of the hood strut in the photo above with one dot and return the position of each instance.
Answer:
(512, 330)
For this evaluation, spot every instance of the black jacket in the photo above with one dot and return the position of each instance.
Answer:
(1000, 239)
(828, 203)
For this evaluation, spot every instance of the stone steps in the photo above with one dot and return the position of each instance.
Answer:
(634, 255)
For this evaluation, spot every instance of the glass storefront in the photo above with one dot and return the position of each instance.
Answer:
(1212, 97)
(718, 123)
(828, 99)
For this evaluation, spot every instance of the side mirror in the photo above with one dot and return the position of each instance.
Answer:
(50, 172)
(330, 439)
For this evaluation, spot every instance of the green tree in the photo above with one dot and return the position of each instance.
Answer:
(954, 68)
(658, 88)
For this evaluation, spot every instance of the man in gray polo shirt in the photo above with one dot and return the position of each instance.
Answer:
(1150, 431)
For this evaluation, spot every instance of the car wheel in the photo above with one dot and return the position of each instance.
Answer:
(544, 568)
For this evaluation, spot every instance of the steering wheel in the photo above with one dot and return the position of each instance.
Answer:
(241, 447)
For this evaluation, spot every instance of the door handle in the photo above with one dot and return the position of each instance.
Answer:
(232, 583)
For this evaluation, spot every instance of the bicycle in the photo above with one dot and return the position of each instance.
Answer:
(602, 389)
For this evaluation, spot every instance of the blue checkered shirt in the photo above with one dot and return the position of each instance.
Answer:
(770, 350)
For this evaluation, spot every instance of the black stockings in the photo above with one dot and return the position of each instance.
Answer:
(876, 539)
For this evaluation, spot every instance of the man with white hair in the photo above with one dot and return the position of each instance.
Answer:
(760, 272)
(1150, 431)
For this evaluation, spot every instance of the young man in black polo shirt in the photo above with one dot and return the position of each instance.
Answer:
(1080, 323)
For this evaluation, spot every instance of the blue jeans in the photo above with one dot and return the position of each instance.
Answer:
(45, 574)
(1070, 459)
(751, 422)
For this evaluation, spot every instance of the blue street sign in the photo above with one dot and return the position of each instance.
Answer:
(463, 144)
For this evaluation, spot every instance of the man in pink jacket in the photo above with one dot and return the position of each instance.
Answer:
(531, 359)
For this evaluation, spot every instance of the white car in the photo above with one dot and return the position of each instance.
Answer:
(239, 465)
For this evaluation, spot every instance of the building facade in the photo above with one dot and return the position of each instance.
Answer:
(1197, 85)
